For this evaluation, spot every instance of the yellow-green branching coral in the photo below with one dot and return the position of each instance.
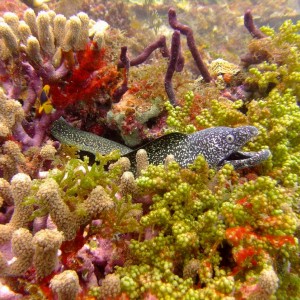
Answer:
(222, 112)
(281, 68)
(278, 119)
(200, 216)
(179, 116)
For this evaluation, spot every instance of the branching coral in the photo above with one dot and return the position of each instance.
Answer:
(49, 50)
(31, 162)
(18, 190)
(195, 214)
(280, 66)
(22, 250)
(11, 115)
(46, 244)
(65, 285)
(276, 112)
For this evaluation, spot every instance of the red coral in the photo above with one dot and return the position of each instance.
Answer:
(70, 248)
(245, 203)
(246, 256)
(279, 241)
(86, 79)
(236, 234)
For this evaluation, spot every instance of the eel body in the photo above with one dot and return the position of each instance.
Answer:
(69, 135)
(218, 145)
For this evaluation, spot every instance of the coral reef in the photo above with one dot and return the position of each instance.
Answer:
(114, 225)
(58, 61)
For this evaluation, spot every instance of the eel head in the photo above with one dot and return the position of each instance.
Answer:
(222, 145)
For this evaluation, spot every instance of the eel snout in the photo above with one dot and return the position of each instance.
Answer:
(241, 159)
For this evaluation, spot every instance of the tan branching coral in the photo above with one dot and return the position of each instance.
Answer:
(5, 192)
(40, 250)
(268, 283)
(19, 189)
(191, 269)
(123, 162)
(22, 248)
(111, 286)
(44, 38)
(46, 244)
(141, 161)
(128, 184)
(65, 285)
(3, 265)
(43, 35)
(264, 289)
(97, 201)
(11, 114)
(47, 152)
(60, 213)
(69, 221)
(169, 158)
(13, 160)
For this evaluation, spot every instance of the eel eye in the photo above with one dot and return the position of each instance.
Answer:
(229, 138)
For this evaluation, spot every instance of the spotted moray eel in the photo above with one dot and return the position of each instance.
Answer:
(218, 145)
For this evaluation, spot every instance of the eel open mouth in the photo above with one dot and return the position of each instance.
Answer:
(241, 159)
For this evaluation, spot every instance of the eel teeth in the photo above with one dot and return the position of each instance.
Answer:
(241, 159)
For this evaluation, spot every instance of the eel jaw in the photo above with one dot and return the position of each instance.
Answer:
(242, 160)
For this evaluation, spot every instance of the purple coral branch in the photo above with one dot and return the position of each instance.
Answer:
(40, 128)
(180, 60)
(35, 86)
(160, 43)
(50, 74)
(119, 92)
(175, 50)
(188, 32)
(251, 27)
(258, 57)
